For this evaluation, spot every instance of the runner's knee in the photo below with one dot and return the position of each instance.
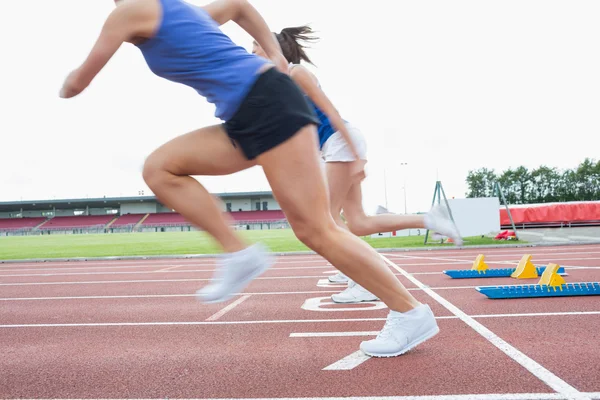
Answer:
(313, 232)
(155, 172)
(358, 224)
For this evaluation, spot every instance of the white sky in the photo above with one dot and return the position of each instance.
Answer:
(446, 86)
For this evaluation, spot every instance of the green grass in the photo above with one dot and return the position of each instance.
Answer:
(172, 243)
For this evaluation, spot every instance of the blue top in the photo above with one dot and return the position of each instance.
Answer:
(325, 128)
(189, 48)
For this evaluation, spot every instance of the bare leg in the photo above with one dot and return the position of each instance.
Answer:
(361, 224)
(297, 180)
(207, 151)
(338, 181)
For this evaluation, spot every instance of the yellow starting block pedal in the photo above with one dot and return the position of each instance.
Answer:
(479, 264)
(551, 278)
(525, 269)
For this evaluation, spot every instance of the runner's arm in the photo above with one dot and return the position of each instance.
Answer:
(121, 25)
(306, 82)
(248, 18)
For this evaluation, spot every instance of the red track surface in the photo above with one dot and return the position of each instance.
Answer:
(132, 329)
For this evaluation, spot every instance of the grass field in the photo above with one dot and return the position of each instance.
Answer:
(172, 243)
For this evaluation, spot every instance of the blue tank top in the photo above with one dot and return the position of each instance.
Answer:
(325, 129)
(190, 48)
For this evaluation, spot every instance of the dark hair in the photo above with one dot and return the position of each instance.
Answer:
(289, 39)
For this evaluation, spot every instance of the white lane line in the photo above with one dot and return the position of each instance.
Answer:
(410, 257)
(284, 321)
(332, 334)
(146, 281)
(485, 396)
(428, 273)
(165, 270)
(156, 296)
(59, 271)
(185, 323)
(535, 251)
(349, 362)
(228, 308)
(528, 363)
(540, 314)
(374, 333)
(146, 264)
(110, 273)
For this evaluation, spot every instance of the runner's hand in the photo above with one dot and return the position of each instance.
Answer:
(70, 87)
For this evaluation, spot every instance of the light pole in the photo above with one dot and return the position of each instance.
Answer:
(404, 188)
(385, 187)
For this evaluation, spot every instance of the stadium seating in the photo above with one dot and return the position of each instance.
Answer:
(258, 216)
(173, 219)
(165, 219)
(127, 219)
(77, 221)
(159, 219)
(7, 224)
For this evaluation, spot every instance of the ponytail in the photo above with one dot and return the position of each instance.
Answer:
(290, 41)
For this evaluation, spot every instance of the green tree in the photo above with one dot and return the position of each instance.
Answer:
(541, 185)
(481, 182)
(508, 183)
(545, 182)
(587, 180)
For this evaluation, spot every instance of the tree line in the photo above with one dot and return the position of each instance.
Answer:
(540, 185)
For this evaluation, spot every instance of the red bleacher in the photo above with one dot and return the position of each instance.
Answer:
(165, 219)
(258, 216)
(9, 224)
(160, 219)
(171, 219)
(128, 219)
(77, 221)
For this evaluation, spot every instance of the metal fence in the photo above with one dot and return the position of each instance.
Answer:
(131, 228)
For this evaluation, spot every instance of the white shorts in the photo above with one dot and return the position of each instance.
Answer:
(335, 149)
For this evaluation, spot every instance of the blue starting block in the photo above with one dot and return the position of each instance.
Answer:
(525, 291)
(524, 270)
(492, 273)
(551, 284)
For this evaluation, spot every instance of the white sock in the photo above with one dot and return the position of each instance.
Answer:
(242, 253)
(409, 313)
(428, 222)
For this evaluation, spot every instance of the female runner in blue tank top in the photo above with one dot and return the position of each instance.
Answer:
(344, 151)
(267, 122)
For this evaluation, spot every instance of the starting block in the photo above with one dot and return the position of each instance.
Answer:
(551, 284)
(525, 270)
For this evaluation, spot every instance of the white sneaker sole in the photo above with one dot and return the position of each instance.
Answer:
(426, 336)
(353, 301)
(240, 286)
(337, 281)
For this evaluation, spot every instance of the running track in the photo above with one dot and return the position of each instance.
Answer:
(132, 329)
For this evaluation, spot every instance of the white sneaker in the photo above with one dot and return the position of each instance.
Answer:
(234, 272)
(354, 294)
(338, 278)
(438, 221)
(402, 332)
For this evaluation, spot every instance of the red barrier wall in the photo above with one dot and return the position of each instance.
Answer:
(562, 212)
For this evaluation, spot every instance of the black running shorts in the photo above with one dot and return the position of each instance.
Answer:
(274, 110)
